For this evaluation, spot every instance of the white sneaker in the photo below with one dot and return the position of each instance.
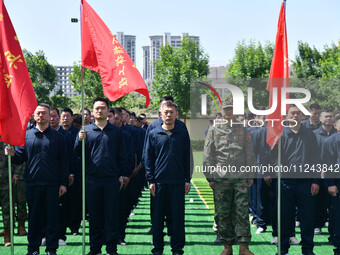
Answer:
(294, 240)
(43, 242)
(260, 230)
(326, 224)
(297, 223)
(317, 231)
(132, 213)
(274, 241)
(61, 242)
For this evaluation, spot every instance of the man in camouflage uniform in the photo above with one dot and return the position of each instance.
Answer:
(4, 194)
(227, 146)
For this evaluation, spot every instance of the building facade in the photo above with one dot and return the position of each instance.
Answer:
(129, 44)
(151, 52)
(63, 73)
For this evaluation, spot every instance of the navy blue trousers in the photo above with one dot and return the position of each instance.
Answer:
(165, 193)
(335, 219)
(43, 209)
(292, 195)
(102, 197)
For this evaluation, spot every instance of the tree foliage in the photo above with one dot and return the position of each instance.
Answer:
(44, 79)
(251, 60)
(248, 68)
(319, 72)
(93, 88)
(176, 69)
(310, 63)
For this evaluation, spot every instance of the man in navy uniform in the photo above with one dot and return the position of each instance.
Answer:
(106, 169)
(74, 191)
(322, 199)
(298, 149)
(167, 163)
(46, 179)
(314, 119)
(332, 181)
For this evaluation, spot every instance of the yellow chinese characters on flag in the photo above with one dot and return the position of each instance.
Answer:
(17, 97)
(102, 53)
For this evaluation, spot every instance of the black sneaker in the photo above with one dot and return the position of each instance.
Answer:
(51, 253)
(217, 241)
(112, 253)
(33, 253)
(94, 253)
(122, 242)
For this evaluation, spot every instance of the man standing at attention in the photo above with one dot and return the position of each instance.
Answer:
(230, 145)
(167, 164)
(106, 169)
(46, 179)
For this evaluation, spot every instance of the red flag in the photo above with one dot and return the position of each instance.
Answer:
(102, 53)
(278, 78)
(18, 100)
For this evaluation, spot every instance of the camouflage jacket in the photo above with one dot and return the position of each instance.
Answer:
(227, 150)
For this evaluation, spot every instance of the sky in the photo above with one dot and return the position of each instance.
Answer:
(46, 25)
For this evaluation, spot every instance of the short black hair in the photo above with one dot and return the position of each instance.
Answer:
(44, 105)
(142, 115)
(66, 109)
(77, 118)
(327, 110)
(86, 109)
(101, 99)
(315, 106)
(337, 117)
(53, 108)
(169, 104)
(166, 98)
(117, 110)
(250, 116)
(126, 110)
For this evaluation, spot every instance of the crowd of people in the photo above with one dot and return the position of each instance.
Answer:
(124, 155)
(310, 150)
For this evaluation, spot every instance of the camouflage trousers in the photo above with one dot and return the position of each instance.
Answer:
(19, 197)
(4, 200)
(231, 207)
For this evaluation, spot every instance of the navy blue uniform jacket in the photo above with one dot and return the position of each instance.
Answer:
(300, 149)
(45, 154)
(167, 159)
(332, 155)
(105, 152)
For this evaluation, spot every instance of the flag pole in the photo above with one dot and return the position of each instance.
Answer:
(83, 141)
(279, 187)
(10, 201)
(83, 159)
(279, 198)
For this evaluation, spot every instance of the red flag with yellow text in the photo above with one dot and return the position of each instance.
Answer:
(17, 98)
(278, 78)
(102, 53)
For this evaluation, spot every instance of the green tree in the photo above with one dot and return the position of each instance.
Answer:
(307, 62)
(251, 60)
(43, 75)
(318, 71)
(176, 69)
(93, 88)
(44, 79)
(248, 68)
